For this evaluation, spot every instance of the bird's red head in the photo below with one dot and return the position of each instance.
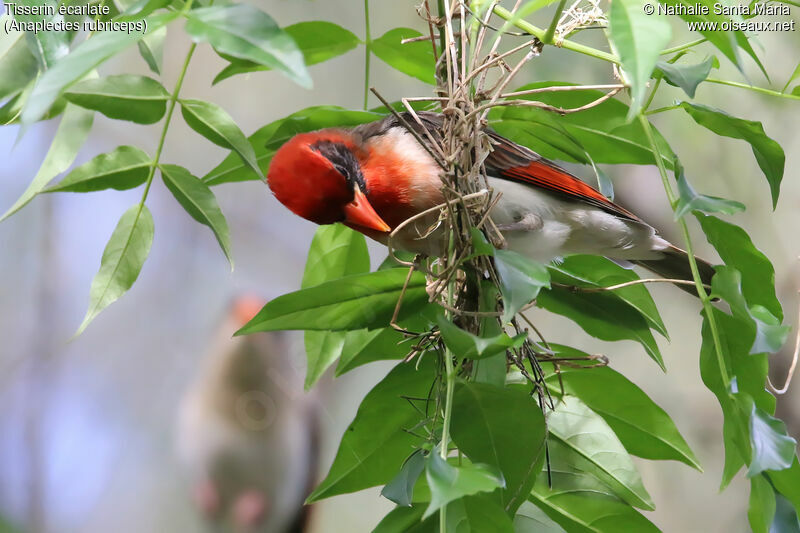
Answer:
(318, 177)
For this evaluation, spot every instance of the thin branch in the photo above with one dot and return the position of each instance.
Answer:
(418, 39)
(433, 209)
(562, 88)
(629, 284)
(768, 92)
(569, 45)
(682, 47)
(548, 107)
(793, 366)
(495, 59)
(411, 130)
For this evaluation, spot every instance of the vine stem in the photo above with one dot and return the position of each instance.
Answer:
(367, 53)
(701, 289)
(445, 38)
(450, 378)
(761, 90)
(173, 99)
(682, 47)
(540, 34)
(551, 30)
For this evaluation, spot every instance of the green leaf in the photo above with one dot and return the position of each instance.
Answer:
(638, 39)
(531, 519)
(365, 346)
(127, 97)
(123, 168)
(477, 514)
(601, 315)
(770, 334)
(786, 520)
(48, 46)
(687, 77)
(596, 271)
(504, 428)
(353, 302)
(216, 125)
(17, 64)
(336, 251)
(727, 42)
(590, 512)
(578, 501)
(794, 76)
(400, 489)
(151, 48)
(415, 59)
(79, 62)
(772, 448)
(198, 200)
(70, 136)
(787, 482)
(603, 132)
(375, 444)
(318, 40)
(643, 427)
(736, 335)
(768, 153)
(761, 510)
(245, 32)
(584, 432)
(408, 520)
(141, 8)
(520, 280)
(448, 482)
(737, 250)
(467, 345)
(269, 138)
(692, 201)
(122, 261)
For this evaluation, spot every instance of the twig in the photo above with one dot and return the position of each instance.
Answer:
(399, 304)
(560, 88)
(411, 130)
(418, 39)
(548, 107)
(628, 284)
(795, 355)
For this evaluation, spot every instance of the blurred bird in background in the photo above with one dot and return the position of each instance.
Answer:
(247, 433)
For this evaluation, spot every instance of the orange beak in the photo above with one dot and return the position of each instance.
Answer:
(359, 212)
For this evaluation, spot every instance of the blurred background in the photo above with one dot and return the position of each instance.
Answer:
(88, 426)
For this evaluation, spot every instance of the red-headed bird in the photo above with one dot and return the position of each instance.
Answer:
(375, 176)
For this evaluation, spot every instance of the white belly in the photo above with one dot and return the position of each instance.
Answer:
(542, 226)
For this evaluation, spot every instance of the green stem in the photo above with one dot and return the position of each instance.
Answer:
(701, 290)
(170, 109)
(662, 109)
(682, 47)
(367, 53)
(539, 33)
(761, 90)
(548, 37)
(450, 377)
(652, 94)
